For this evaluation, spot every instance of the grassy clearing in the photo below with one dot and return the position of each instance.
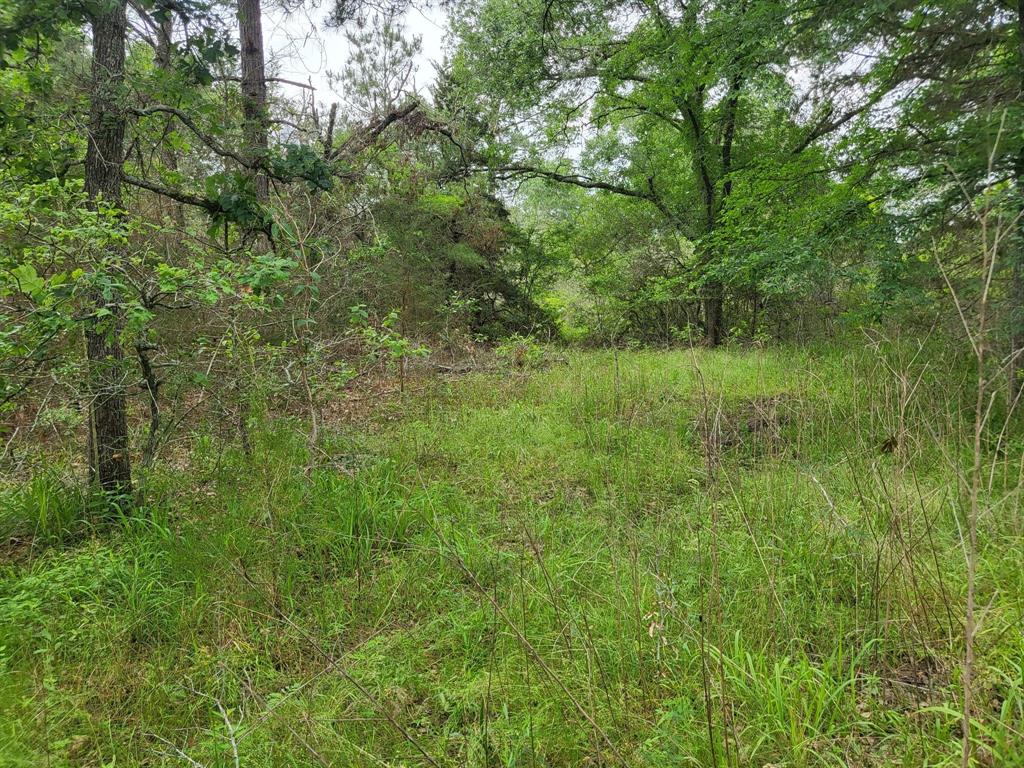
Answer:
(644, 558)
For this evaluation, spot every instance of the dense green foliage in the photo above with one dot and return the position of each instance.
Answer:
(777, 157)
(644, 392)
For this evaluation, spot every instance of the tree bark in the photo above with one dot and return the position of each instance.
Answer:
(109, 463)
(254, 89)
(152, 384)
(755, 307)
(713, 313)
(713, 289)
(715, 302)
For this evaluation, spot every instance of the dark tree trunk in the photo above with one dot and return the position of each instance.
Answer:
(754, 311)
(254, 88)
(109, 464)
(715, 302)
(713, 313)
(714, 296)
(255, 121)
(692, 107)
(152, 383)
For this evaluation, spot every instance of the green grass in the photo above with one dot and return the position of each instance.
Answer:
(535, 569)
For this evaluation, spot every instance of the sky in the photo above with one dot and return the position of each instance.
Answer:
(299, 47)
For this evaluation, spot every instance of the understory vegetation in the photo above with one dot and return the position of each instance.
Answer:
(641, 558)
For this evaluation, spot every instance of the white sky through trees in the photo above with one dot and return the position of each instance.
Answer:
(300, 47)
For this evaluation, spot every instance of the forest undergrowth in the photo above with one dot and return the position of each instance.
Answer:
(732, 557)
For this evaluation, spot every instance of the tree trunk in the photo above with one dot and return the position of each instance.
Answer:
(715, 302)
(254, 89)
(109, 463)
(152, 384)
(713, 314)
(754, 311)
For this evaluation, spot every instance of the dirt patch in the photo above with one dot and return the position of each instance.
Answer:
(15, 550)
(914, 682)
(755, 422)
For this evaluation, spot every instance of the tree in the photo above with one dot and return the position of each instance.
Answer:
(108, 450)
(680, 103)
(34, 36)
(254, 91)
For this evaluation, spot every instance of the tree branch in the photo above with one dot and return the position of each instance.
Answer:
(210, 206)
(511, 171)
(189, 123)
(365, 137)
